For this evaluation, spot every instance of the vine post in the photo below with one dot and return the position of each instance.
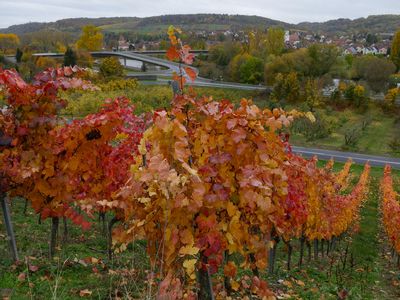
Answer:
(53, 235)
(9, 227)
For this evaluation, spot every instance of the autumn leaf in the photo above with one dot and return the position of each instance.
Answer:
(33, 268)
(310, 116)
(230, 269)
(235, 285)
(172, 54)
(342, 294)
(186, 237)
(85, 293)
(191, 73)
(21, 276)
(189, 266)
(189, 250)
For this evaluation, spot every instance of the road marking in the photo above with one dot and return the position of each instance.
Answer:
(347, 157)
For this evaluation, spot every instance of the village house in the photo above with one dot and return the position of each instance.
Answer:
(125, 45)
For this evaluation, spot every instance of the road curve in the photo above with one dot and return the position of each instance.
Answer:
(218, 84)
(378, 161)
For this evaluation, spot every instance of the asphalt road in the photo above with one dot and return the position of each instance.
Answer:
(340, 156)
(218, 84)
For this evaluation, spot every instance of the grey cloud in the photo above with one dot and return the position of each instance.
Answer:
(22, 11)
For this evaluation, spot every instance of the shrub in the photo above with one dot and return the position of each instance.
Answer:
(119, 85)
(111, 67)
(356, 96)
(390, 98)
(321, 128)
(351, 137)
(46, 62)
(394, 144)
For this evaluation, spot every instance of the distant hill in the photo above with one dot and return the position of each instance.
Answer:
(73, 25)
(158, 24)
(150, 25)
(371, 24)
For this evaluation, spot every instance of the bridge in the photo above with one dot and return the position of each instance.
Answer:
(170, 66)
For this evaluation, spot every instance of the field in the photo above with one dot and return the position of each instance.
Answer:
(380, 129)
(147, 98)
(361, 266)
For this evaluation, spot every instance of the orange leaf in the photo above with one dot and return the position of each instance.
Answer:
(230, 269)
(191, 73)
(172, 54)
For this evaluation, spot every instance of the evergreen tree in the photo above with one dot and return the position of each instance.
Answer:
(18, 55)
(69, 57)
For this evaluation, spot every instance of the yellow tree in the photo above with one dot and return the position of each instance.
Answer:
(275, 42)
(8, 42)
(391, 96)
(91, 38)
(395, 51)
(312, 96)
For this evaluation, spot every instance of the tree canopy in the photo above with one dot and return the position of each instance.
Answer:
(91, 38)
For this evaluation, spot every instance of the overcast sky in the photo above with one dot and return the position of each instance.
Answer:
(293, 11)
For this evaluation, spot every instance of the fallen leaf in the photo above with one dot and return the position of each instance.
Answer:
(94, 260)
(33, 268)
(22, 277)
(343, 294)
(360, 270)
(85, 292)
(287, 283)
(299, 282)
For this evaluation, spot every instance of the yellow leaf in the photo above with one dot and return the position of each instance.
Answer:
(309, 115)
(189, 266)
(235, 285)
(144, 200)
(189, 250)
(231, 208)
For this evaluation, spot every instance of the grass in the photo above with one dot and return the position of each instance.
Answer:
(80, 263)
(146, 98)
(374, 139)
(81, 266)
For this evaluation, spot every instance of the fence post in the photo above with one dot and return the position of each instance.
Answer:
(9, 228)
